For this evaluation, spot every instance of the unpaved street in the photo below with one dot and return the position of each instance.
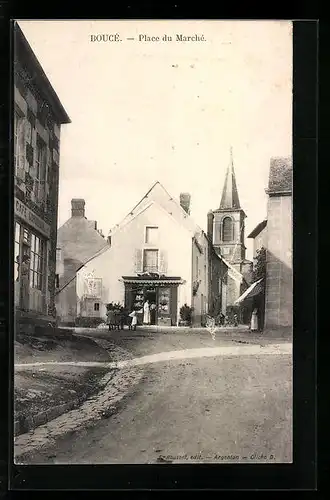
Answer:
(222, 408)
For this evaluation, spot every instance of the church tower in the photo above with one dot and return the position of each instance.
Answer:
(227, 223)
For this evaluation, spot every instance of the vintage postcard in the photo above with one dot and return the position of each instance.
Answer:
(153, 242)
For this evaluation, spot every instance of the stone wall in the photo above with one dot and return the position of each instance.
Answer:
(279, 293)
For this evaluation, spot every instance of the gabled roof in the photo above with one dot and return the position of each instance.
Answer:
(79, 240)
(229, 198)
(280, 176)
(234, 273)
(257, 230)
(159, 195)
(24, 53)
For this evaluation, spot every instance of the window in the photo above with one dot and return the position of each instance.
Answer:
(57, 281)
(197, 266)
(17, 250)
(227, 229)
(151, 235)
(150, 261)
(96, 306)
(19, 145)
(36, 269)
(40, 171)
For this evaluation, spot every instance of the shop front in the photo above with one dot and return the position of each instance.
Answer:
(161, 294)
(30, 261)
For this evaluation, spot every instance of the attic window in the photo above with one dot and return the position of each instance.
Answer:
(151, 237)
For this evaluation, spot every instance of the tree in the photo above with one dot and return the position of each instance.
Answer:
(259, 268)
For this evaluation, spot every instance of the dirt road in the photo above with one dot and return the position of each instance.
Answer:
(213, 409)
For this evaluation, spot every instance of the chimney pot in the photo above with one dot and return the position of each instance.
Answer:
(185, 202)
(77, 207)
(210, 217)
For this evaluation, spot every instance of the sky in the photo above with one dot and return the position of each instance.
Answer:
(143, 111)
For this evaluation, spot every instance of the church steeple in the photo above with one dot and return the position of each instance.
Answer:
(229, 198)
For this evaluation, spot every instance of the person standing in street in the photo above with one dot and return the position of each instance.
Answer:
(133, 324)
(153, 313)
(110, 319)
(122, 318)
(146, 313)
(254, 320)
(25, 282)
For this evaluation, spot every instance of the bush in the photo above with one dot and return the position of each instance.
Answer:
(186, 313)
(86, 322)
(113, 306)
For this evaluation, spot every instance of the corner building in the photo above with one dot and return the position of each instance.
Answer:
(38, 117)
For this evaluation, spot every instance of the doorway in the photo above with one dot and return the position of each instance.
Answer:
(151, 295)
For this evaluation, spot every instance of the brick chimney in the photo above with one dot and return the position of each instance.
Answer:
(210, 218)
(77, 207)
(185, 202)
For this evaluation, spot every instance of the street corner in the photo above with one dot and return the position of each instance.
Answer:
(71, 419)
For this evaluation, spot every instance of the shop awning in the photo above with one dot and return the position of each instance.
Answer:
(252, 291)
(147, 280)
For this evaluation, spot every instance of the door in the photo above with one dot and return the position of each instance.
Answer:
(164, 306)
(174, 305)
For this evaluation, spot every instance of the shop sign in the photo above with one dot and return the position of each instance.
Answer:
(24, 213)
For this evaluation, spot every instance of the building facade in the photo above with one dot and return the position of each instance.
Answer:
(226, 231)
(38, 117)
(259, 236)
(279, 285)
(78, 239)
(156, 253)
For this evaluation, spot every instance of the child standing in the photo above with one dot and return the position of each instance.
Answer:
(133, 324)
(110, 319)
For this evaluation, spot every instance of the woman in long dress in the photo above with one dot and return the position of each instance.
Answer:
(25, 284)
(254, 320)
(146, 313)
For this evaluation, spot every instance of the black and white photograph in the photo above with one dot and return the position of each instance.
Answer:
(153, 276)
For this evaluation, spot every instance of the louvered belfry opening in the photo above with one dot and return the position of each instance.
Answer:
(227, 229)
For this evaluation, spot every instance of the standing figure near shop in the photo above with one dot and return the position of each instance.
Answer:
(122, 318)
(146, 313)
(110, 318)
(25, 282)
(254, 320)
(153, 313)
(133, 323)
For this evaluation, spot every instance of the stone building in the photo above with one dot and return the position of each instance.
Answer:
(226, 227)
(273, 296)
(279, 293)
(78, 239)
(38, 117)
(157, 253)
(259, 236)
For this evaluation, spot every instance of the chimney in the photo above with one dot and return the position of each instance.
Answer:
(185, 202)
(77, 207)
(210, 218)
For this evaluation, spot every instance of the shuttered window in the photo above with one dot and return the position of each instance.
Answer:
(150, 261)
(40, 171)
(19, 146)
